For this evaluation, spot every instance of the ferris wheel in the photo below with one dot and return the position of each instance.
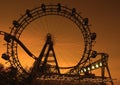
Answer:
(52, 39)
(67, 30)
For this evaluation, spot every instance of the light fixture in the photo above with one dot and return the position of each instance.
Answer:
(100, 63)
(81, 71)
(88, 68)
(96, 65)
(85, 70)
(93, 67)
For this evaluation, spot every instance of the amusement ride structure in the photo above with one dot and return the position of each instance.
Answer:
(46, 65)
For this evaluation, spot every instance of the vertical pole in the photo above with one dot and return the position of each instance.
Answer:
(55, 61)
(109, 75)
(103, 69)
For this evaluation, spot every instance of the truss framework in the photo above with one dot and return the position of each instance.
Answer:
(19, 26)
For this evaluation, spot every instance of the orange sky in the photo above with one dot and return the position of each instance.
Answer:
(104, 16)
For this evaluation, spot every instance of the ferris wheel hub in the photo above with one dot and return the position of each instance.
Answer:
(49, 39)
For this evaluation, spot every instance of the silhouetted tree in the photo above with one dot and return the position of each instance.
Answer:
(8, 75)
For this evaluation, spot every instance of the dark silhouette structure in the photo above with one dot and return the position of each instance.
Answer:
(45, 70)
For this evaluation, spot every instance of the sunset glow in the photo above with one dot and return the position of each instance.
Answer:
(67, 38)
